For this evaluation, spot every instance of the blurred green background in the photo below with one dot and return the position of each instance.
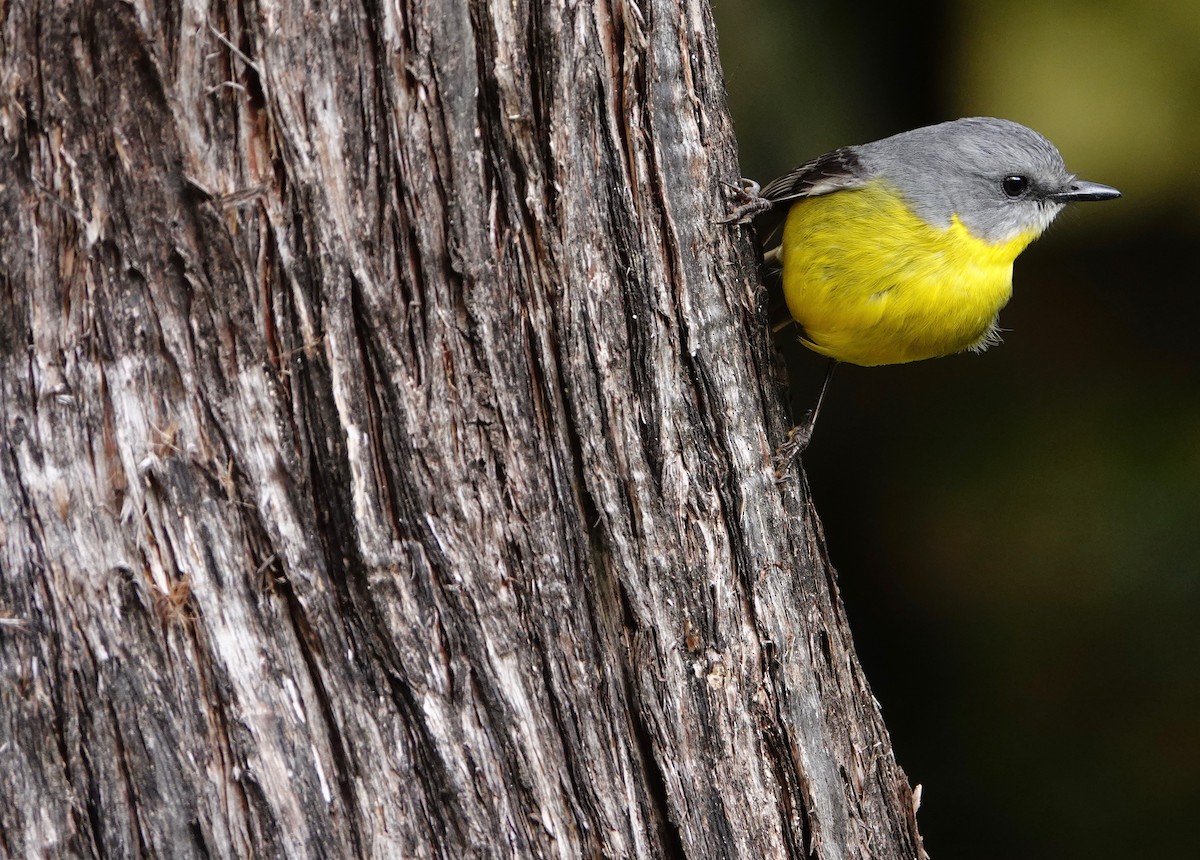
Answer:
(1018, 533)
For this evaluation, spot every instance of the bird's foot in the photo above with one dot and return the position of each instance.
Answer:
(797, 440)
(747, 203)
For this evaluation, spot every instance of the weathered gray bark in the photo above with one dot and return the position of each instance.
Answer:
(387, 449)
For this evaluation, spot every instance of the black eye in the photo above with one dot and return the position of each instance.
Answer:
(1015, 186)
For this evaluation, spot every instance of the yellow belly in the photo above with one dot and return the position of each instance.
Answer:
(873, 284)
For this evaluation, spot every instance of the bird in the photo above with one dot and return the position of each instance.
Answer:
(902, 249)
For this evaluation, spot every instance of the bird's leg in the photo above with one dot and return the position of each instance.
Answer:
(799, 436)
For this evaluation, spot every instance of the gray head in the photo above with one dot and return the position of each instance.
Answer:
(1001, 178)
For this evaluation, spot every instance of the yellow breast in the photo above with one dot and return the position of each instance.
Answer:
(871, 283)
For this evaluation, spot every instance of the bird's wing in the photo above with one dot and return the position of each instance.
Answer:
(833, 171)
(837, 170)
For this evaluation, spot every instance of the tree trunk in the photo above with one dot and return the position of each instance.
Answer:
(387, 449)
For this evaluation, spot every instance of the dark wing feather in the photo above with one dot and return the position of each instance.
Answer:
(832, 171)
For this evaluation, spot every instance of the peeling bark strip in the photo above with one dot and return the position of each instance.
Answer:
(386, 459)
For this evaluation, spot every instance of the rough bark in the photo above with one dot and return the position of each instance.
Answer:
(387, 449)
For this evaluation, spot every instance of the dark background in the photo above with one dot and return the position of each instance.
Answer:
(1017, 532)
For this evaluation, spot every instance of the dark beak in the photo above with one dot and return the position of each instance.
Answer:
(1079, 191)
